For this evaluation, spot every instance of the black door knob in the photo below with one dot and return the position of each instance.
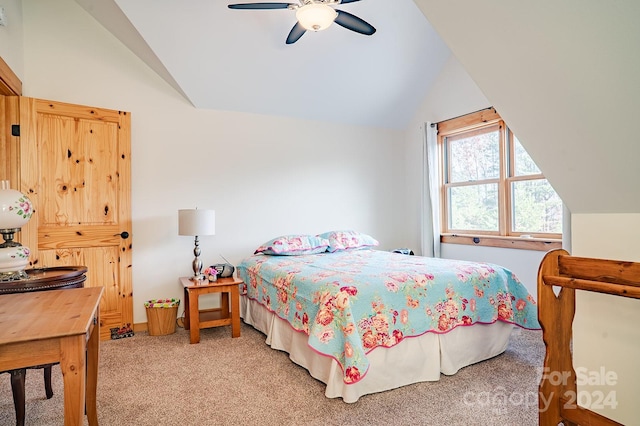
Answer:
(124, 235)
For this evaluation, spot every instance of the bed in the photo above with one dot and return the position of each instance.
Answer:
(556, 311)
(363, 320)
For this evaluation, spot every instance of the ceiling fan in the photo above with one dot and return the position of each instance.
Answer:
(314, 15)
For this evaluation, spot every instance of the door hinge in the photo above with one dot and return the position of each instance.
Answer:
(15, 130)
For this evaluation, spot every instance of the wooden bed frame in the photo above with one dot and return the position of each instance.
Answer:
(555, 314)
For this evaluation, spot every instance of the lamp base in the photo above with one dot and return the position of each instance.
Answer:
(13, 276)
(13, 259)
(197, 262)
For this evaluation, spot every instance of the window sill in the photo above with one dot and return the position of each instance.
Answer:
(539, 244)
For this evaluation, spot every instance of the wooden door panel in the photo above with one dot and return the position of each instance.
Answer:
(75, 168)
(72, 236)
(80, 177)
(102, 270)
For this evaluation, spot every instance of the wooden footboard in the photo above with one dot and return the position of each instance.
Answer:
(557, 392)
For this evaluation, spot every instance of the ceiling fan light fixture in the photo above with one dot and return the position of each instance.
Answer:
(315, 16)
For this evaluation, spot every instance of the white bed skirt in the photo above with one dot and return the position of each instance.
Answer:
(415, 359)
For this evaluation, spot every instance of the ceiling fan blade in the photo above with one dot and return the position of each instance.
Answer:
(348, 1)
(353, 23)
(296, 32)
(260, 6)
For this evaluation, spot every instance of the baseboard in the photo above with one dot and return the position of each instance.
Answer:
(141, 326)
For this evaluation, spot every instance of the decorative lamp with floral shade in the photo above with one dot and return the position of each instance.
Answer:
(15, 211)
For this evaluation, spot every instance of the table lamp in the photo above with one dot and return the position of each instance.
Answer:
(15, 212)
(195, 223)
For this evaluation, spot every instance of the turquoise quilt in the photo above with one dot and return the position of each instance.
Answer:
(351, 302)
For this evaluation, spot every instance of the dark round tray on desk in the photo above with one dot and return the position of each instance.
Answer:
(58, 277)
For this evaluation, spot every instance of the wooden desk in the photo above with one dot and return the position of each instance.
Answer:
(40, 279)
(195, 319)
(56, 326)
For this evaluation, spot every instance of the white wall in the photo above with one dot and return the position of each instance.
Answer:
(264, 176)
(11, 36)
(606, 330)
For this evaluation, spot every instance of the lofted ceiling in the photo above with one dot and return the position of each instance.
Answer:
(564, 75)
(237, 60)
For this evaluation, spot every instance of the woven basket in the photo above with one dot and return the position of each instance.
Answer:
(161, 316)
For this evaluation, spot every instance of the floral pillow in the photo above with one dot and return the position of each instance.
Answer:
(347, 240)
(292, 245)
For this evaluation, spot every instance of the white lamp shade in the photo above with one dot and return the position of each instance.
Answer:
(195, 222)
(315, 16)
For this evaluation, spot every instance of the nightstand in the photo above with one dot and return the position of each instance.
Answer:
(227, 314)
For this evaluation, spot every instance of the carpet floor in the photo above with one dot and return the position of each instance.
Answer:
(163, 380)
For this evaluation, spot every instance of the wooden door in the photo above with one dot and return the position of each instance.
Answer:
(75, 168)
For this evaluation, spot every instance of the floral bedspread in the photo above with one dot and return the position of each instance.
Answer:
(351, 302)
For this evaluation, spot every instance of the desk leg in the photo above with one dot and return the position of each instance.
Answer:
(235, 312)
(73, 366)
(186, 309)
(194, 317)
(93, 350)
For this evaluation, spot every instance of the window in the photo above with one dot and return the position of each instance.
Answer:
(490, 186)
